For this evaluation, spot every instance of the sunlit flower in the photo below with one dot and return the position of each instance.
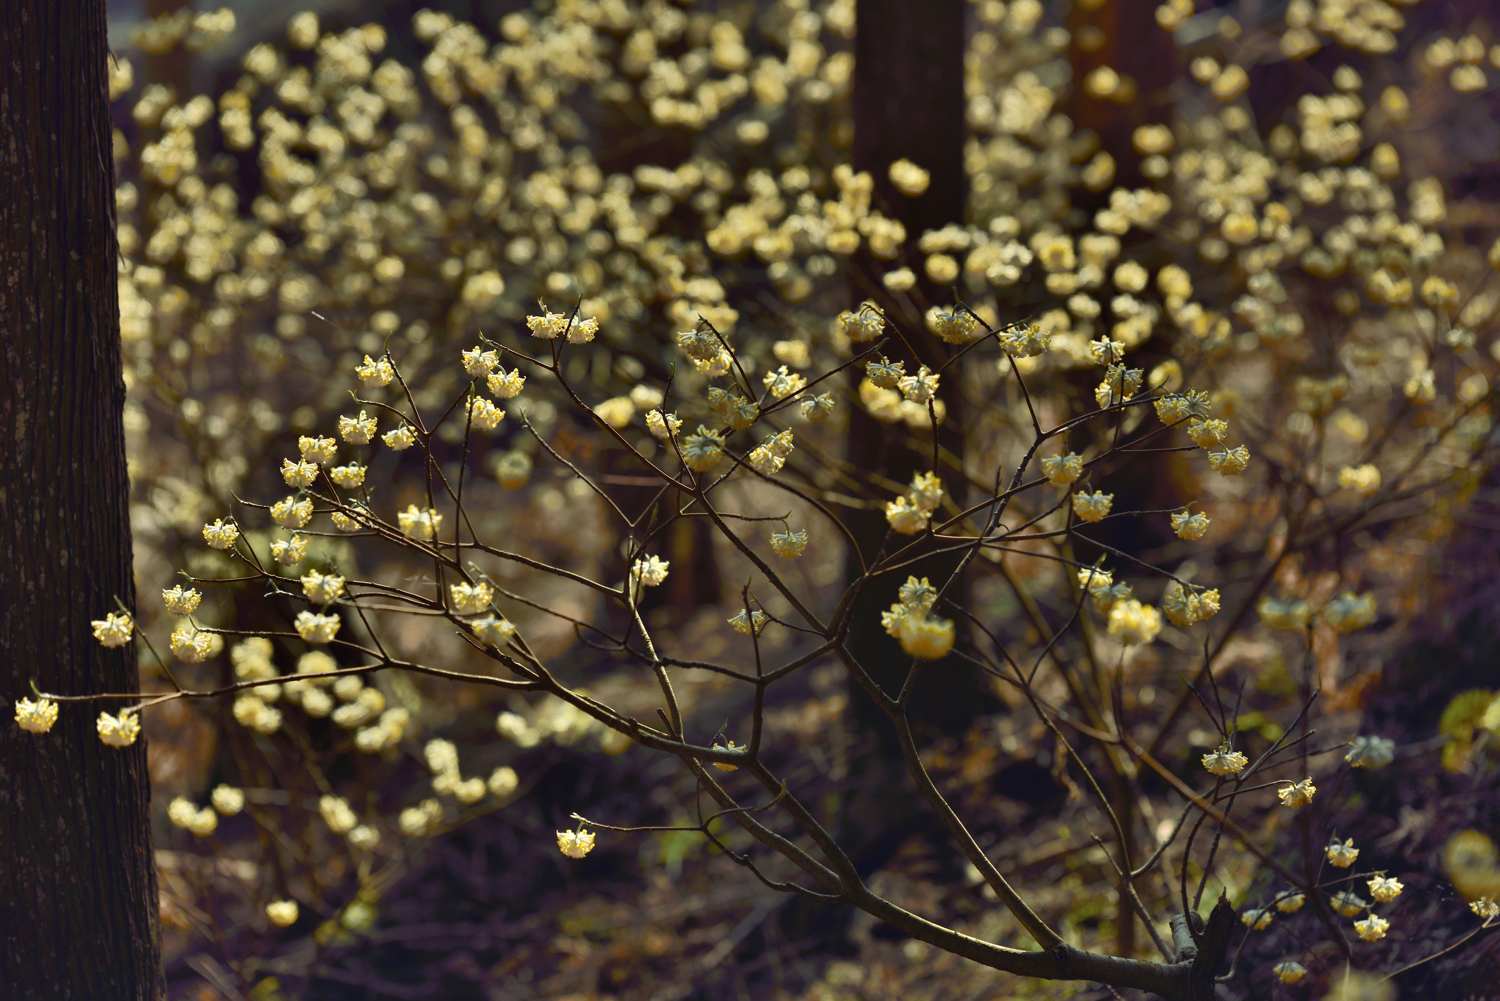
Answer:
(1385, 888)
(114, 630)
(745, 624)
(1372, 928)
(181, 601)
(315, 627)
(321, 588)
(37, 716)
(119, 731)
(1289, 971)
(789, 543)
(650, 571)
(469, 599)
(357, 430)
(1297, 794)
(575, 844)
(1092, 506)
(1223, 761)
(375, 373)
(220, 534)
(1341, 855)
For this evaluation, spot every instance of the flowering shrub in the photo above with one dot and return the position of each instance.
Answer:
(444, 327)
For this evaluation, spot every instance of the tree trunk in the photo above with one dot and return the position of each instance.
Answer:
(78, 918)
(908, 102)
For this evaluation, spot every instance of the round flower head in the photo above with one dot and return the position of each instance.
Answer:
(1370, 752)
(503, 782)
(702, 451)
(1289, 971)
(485, 415)
(919, 388)
(1229, 461)
(768, 457)
(119, 731)
(746, 624)
(908, 178)
(316, 449)
(1341, 855)
(469, 599)
(1062, 470)
(885, 373)
(299, 474)
(1190, 526)
(400, 439)
(290, 512)
(316, 628)
(114, 630)
(192, 645)
(220, 534)
(953, 325)
(374, 373)
(1133, 622)
(789, 543)
(227, 800)
(1291, 903)
(36, 716)
(1092, 507)
(495, 631)
(575, 844)
(1185, 606)
(1207, 432)
(357, 430)
(289, 551)
(1224, 762)
(547, 325)
(1363, 480)
(505, 385)
(1385, 888)
(1297, 794)
(416, 523)
(583, 330)
(282, 913)
(1485, 908)
(1026, 340)
(926, 491)
(783, 382)
(663, 425)
(349, 522)
(1257, 919)
(1372, 928)
(925, 637)
(816, 407)
(1348, 903)
(350, 477)
(649, 571)
(1291, 614)
(337, 814)
(905, 517)
(479, 362)
(181, 601)
(322, 589)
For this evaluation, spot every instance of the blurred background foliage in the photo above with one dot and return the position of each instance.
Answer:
(1290, 206)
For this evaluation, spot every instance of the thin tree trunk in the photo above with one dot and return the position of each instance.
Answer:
(78, 916)
(908, 103)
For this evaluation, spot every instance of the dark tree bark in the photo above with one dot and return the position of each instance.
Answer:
(908, 103)
(78, 915)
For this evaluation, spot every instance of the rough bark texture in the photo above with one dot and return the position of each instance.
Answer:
(78, 916)
(908, 102)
